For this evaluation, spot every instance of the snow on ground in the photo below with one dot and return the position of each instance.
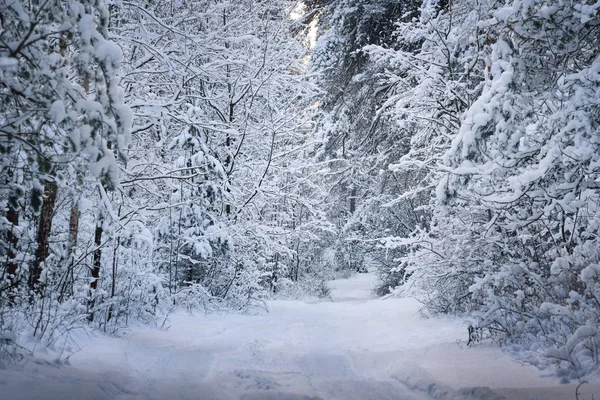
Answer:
(354, 347)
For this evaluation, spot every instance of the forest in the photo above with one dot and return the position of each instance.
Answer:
(211, 155)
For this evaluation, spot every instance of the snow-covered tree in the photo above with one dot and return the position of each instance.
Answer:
(63, 128)
(221, 105)
(504, 105)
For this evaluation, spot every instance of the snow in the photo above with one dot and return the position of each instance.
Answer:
(355, 346)
(57, 111)
(8, 63)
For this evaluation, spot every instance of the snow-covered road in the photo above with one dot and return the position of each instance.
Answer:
(354, 347)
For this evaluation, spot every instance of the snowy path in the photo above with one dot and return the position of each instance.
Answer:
(355, 347)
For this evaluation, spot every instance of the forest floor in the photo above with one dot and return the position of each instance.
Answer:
(352, 347)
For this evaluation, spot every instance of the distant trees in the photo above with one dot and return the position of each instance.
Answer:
(360, 141)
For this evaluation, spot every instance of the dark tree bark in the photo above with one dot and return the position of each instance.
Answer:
(274, 276)
(353, 200)
(96, 266)
(73, 235)
(44, 229)
(113, 284)
(74, 226)
(12, 266)
(190, 275)
(97, 256)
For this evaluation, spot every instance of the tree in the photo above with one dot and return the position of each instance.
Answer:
(511, 235)
(216, 116)
(63, 123)
(432, 77)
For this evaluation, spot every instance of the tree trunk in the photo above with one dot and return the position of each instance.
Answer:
(96, 266)
(353, 200)
(12, 266)
(274, 276)
(190, 275)
(228, 162)
(73, 226)
(45, 226)
(97, 256)
(297, 268)
(73, 235)
(113, 284)
(69, 280)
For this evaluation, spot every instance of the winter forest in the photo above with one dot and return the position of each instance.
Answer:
(213, 156)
